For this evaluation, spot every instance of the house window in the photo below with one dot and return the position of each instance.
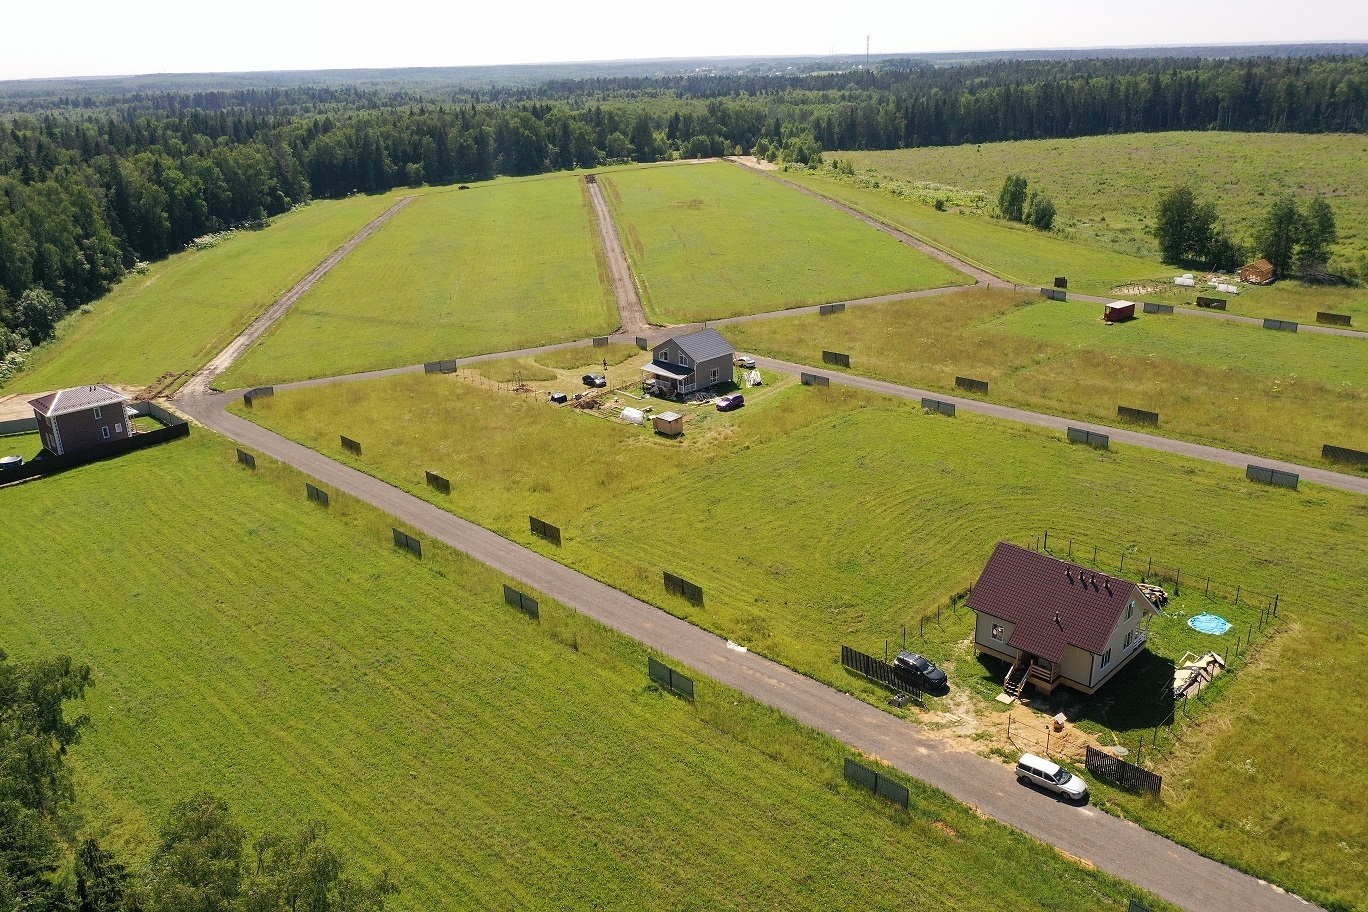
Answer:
(664, 356)
(1106, 658)
(1130, 638)
(683, 360)
(97, 411)
(997, 632)
(712, 375)
(118, 428)
(1130, 611)
(104, 432)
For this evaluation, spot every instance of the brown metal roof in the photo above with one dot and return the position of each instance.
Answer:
(1052, 603)
(76, 399)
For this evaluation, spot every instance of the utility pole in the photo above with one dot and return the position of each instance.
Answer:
(866, 52)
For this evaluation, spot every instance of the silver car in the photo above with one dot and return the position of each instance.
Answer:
(1051, 776)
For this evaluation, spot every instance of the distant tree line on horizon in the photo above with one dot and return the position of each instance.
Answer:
(90, 186)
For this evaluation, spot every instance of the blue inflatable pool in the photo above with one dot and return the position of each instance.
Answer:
(1209, 623)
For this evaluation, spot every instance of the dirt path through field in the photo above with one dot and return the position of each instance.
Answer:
(633, 315)
(205, 376)
(1117, 846)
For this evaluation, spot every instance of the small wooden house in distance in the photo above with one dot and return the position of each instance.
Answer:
(688, 363)
(74, 419)
(1257, 273)
(1056, 622)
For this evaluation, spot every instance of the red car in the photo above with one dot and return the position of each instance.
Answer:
(730, 403)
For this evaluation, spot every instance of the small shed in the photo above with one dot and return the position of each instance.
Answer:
(1117, 311)
(671, 424)
(1259, 272)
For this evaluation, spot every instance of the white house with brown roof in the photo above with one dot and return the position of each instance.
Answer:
(1056, 622)
(75, 419)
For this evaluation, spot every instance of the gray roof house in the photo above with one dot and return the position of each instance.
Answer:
(80, 417)
(689, 363)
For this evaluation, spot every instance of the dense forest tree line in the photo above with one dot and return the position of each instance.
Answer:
(203, 860)
(89, 186)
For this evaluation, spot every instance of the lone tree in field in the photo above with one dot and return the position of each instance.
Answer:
(1280, 234)
(1012, 198)
(1318, 233)
(1040, 212)
(1184, 226)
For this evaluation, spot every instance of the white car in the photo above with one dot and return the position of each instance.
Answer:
(743, 361)
(1051, 776)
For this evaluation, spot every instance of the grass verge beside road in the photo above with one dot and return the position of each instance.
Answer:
(1225, 384)
(289, 658)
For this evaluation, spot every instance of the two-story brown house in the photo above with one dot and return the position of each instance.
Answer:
(74, 419)
(1055, 621)
(688, 363)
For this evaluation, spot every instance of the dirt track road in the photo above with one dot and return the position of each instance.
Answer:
(630, 311)
(1114, 845)
(205, 376)
(987, 278)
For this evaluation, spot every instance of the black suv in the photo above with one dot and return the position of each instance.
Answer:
(919, 671)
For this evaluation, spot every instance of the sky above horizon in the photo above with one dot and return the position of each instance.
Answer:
(100, 38)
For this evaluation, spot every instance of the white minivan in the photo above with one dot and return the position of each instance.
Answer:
(1052, 776)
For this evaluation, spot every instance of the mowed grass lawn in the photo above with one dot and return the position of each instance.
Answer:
(289, 658)
(1028, 257)
(715, 240)
(1107, 187)
(822, 517)
(186, 308)
(504, 265)
(1222, 383)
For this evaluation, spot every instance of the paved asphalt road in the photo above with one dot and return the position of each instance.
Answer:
(1114, 845)
(1356, 484)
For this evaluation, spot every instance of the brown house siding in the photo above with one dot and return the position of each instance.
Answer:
(79, 430)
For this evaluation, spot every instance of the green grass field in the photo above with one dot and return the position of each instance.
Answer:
(505, 265)
(1212, 381)
(714, 240)
(186, 308)
(1028, 257)
(1107, 187)
(819, 542)
(485, 760)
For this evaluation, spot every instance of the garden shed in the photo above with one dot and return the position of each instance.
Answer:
(671, 424)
